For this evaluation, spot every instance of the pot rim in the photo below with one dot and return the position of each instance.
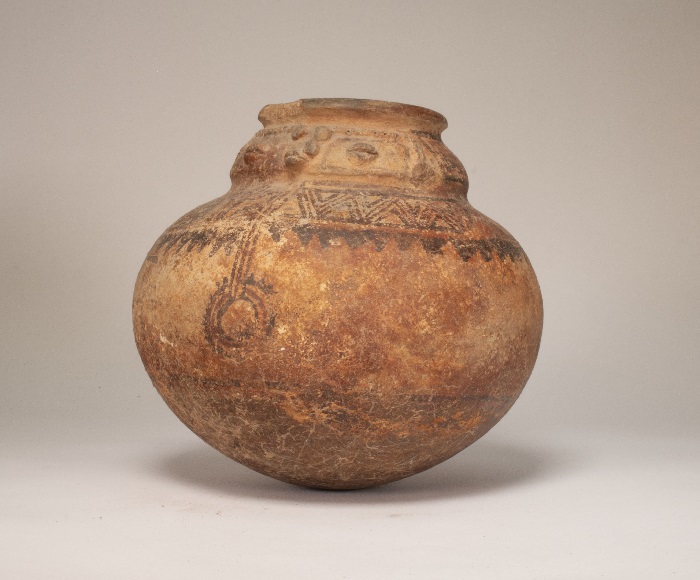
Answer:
(353, 110)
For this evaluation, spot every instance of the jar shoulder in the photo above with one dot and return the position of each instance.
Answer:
(319, 208)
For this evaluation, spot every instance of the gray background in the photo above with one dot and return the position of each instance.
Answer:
(579, 125)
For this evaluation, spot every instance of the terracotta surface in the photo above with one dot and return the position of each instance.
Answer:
(342, 317)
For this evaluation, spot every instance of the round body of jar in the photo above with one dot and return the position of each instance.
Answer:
(342, 317)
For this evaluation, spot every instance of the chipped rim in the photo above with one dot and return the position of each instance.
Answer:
(415, 116)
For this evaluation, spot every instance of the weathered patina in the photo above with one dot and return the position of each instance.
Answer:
(342, 317)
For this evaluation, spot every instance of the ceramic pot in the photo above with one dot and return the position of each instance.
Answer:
(342, 317)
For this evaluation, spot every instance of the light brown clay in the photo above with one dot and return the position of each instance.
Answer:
(342, 317)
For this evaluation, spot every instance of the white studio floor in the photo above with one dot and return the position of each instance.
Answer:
(565, 505)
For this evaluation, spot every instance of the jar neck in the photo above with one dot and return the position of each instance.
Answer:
(353, 142)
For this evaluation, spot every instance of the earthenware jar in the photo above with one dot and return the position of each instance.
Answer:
(342, 317)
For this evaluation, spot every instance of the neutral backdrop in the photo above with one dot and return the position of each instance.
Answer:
(579, 125)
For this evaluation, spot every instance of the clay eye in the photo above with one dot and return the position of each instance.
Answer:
(362, 152)
(298, 132)
(293, 158)
(254, 153)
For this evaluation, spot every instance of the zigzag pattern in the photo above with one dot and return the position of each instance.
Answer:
(377, 217)
(379, 209)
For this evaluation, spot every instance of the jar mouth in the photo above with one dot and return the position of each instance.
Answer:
(355, 111)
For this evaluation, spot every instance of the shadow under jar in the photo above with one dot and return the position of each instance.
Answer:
(342, 317)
